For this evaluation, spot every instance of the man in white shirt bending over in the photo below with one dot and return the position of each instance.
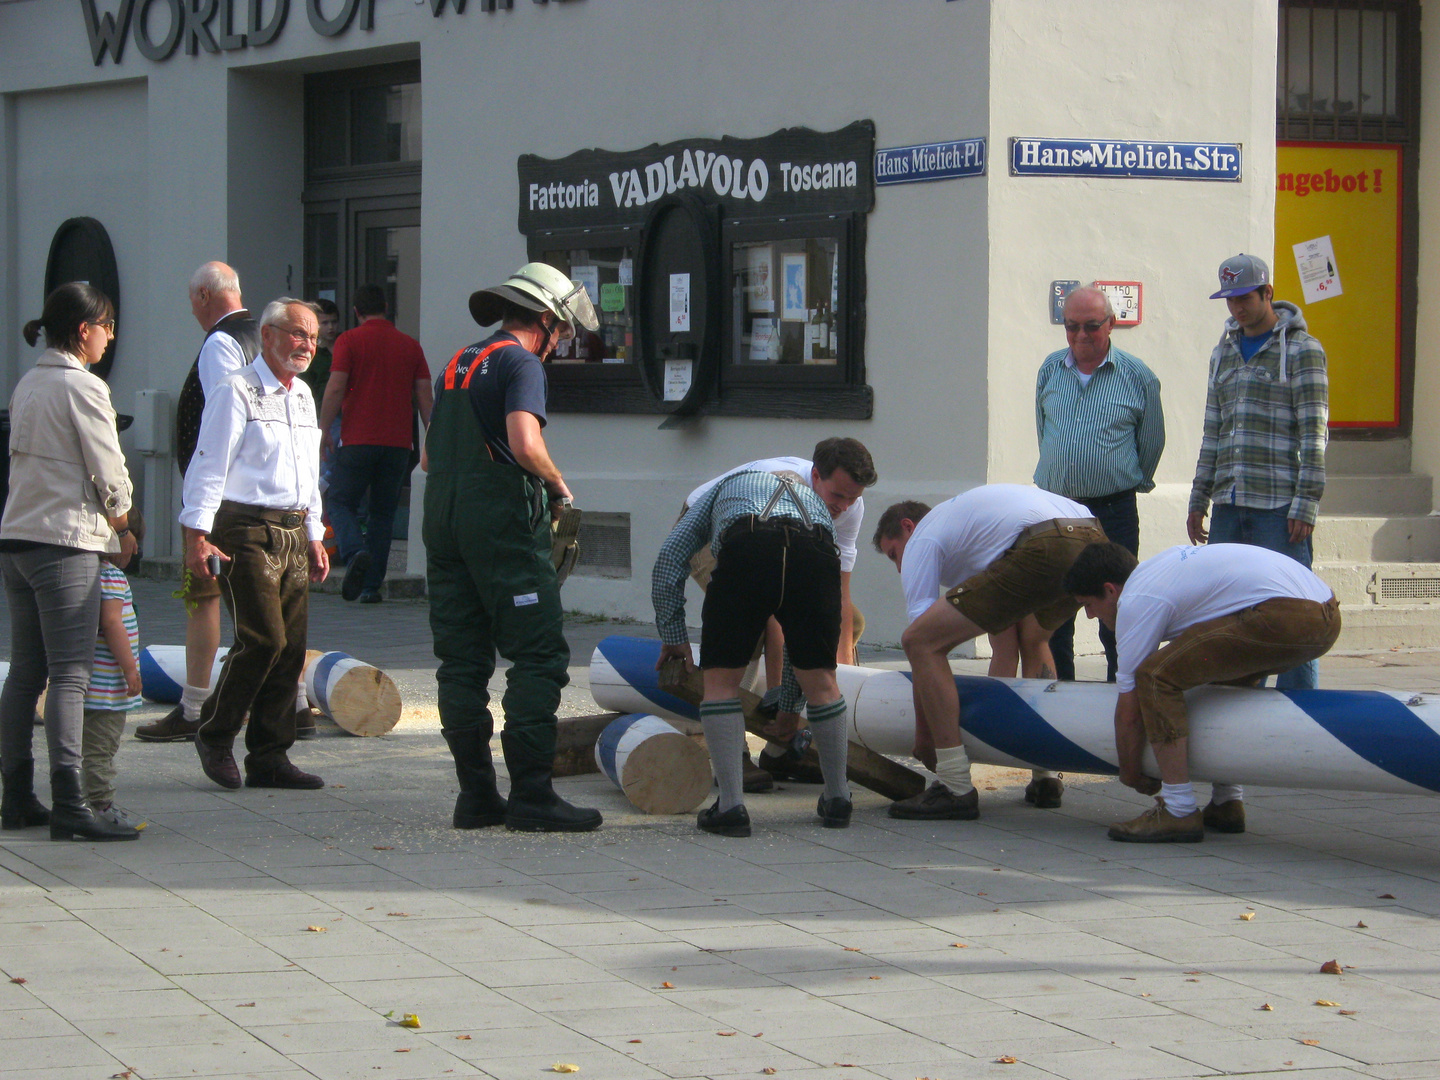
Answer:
(999, 554)
(1232, 614)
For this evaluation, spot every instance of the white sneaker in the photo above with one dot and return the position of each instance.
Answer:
(117, 815)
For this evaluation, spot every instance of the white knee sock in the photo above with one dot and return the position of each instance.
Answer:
(724, 726)
(1223, 793)
(952, 766)
(302, 701)
(1179, 798)
(191, 698)
(832, 744)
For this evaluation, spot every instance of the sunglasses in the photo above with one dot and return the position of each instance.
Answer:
(1088, 327)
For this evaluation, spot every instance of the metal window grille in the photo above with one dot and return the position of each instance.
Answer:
(1415, 587)
(604, 545)
(1348, 71)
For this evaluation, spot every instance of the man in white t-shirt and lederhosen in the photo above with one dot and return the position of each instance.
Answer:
(999, 553)
(839, 471)
(1232, 614)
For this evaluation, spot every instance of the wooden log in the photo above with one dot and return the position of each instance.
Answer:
(361, 699)
(862, 766)
(575, 738)
(660, 770)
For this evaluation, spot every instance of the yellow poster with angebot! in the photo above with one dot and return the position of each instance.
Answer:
(1349, 192)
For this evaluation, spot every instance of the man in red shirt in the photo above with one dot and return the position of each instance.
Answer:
(378, 378)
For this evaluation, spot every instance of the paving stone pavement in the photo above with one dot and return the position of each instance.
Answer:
(285, 934)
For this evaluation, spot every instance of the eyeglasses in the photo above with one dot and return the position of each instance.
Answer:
(1088, 327)
(299, 335)
(108, 325)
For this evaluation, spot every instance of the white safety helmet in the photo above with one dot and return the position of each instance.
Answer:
(539, 287)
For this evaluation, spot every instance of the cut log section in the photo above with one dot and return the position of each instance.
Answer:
(660, 770)
(361, 699)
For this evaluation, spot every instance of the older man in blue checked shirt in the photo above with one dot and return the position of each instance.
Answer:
(1101, 431)
(774, 546)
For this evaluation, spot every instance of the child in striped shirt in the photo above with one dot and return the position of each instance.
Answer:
(114, 683)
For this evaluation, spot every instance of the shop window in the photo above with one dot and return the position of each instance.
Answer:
(606, 268)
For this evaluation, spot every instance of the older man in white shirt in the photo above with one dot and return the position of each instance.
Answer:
(252, 502)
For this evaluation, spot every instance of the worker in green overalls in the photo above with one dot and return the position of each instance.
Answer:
(489, 498)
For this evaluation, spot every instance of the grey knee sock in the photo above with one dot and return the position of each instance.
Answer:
(724, 726)
(832, 743)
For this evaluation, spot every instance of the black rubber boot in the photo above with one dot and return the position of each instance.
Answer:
(19, 808)
(72, 819)
(479, 804)
(533, 805)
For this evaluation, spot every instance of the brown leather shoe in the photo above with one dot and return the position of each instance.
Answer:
(218, 763)
(305, 723)
(1227, 817)
(172, 727)
(1044, 793)
(756, 780)
(284, 775)
(938, 803)
(1159, 826)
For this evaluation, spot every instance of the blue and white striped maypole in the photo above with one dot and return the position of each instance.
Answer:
(1345, 740)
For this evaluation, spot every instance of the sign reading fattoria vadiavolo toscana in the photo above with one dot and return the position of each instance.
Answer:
(794, 171)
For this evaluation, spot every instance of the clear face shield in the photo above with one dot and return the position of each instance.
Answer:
(576, 307)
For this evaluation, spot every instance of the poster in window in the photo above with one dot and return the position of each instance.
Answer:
(589, 276)
(793, 282)
(760, 285)
(679, 303)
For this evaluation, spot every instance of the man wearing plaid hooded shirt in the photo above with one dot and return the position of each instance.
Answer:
(1267, 410)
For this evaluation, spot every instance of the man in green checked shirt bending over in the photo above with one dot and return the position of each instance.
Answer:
(774, 545)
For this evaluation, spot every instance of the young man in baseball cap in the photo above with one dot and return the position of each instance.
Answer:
(1267, 410)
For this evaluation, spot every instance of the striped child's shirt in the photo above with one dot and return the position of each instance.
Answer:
(107, 681)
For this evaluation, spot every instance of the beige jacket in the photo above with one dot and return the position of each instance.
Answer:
(67, 471)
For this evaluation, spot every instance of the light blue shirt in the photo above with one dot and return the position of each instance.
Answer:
(1100, 436)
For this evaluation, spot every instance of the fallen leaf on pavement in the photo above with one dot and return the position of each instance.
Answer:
(1005, 1059)
(246, 1005)
(1144, 995)
(317, 929)
(399, 914)
(1330, 967)
(463, 1036)
(634, 1040)
(1327, 1004)
(121, 1075)
(1267, 1007)
(958, 945)
(403, 1050)
(564, 1066)
(1361, 926)
(1194, 973)
(383, 847)
(843, 1064)
(1192, 980)
(410, 1020)
(18, 981)
(1310, 1042)
(1347, 1012)
(727, 1034)
(874, 978)
(1247, 916)
(1385, 896)
(667, 986)
(851, 948)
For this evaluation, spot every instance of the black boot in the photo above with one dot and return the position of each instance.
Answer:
(479, 804)
(19, 807)
(533, 804)
(71, 818)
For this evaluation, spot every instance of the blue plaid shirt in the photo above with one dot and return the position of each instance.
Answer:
(736, 496)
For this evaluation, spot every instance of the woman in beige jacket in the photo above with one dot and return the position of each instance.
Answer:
(69, 497)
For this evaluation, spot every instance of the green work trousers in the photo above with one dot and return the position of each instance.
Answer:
(492, 590)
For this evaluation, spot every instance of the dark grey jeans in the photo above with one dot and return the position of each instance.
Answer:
(54, 596)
